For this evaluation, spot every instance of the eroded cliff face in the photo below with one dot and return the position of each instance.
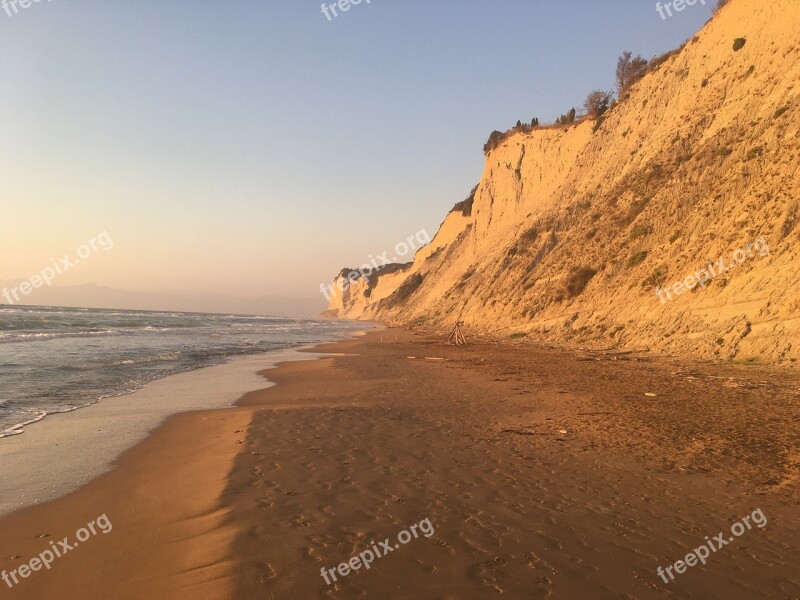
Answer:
(581, 236)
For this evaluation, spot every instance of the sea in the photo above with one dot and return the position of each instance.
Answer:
(54, 360)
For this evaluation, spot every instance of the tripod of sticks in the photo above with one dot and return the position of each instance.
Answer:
(456, 335)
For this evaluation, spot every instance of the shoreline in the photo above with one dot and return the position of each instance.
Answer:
(161, 536)
(91, 437)
(253, 500)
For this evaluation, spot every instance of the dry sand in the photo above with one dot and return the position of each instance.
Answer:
(252, 502)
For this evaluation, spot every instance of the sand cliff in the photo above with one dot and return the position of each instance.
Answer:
(579, 234)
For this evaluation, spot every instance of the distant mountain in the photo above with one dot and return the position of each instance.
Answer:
(670, 223)
(95, 296)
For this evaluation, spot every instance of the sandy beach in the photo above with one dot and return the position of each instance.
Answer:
(400, 302)
(538, 473)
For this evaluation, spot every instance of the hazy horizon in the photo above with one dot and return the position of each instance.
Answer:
(93, 296)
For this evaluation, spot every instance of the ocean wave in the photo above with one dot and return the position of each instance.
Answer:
(144, 360)
(32, 336)
(23, 336)
(40, 415)
(108, 353)
(18, 428)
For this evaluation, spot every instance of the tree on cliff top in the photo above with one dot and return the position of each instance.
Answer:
(597, 102)
(568, 118)
(629, 70)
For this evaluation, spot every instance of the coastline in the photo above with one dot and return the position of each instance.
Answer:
(188, 458)
(253, 500)
(91, 437)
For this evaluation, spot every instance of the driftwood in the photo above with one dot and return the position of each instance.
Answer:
(456, 335)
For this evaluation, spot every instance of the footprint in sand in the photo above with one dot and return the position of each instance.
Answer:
(317, 542)
(300, 521)
(485, 573)
(265, 503)
(311, 554)
(262, 532)
(535, 562)
(446, 545)
(267, 572)
(431, 569)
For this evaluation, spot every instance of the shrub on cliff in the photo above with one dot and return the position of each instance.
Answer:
(465, 206)
(408, 287)
(637, 259)
(578, 280)
(494, 139)
(525, 127)
(597, 102)
(346, 272)
(641, 231)
(525, 241)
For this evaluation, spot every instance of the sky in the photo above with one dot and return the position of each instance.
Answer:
(257, 147)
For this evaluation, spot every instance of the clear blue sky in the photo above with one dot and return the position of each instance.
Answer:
(255, 147)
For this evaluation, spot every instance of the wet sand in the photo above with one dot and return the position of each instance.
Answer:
(543, 473)
(67, 450)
